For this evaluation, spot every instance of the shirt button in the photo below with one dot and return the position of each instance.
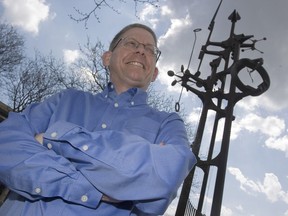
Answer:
(84, 198)
(85, 147)
(132, 103)
(104, 126)
(116, 105)
(49, 146)
(38, 190)
(54, 134)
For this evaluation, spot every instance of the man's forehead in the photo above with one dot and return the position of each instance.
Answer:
(140, 34)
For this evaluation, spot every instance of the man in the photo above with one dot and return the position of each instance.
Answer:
(108, 154)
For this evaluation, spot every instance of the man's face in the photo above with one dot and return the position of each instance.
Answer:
(132, 67)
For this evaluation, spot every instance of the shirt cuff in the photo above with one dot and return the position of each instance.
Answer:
(82, 192)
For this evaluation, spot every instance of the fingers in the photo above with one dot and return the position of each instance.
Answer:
(39, 138)
(109, 199)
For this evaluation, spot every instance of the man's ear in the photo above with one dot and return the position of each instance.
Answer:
(156, 71)
(106, 58)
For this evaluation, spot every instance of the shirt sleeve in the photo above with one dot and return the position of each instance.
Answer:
(31, 170)
(125, 166)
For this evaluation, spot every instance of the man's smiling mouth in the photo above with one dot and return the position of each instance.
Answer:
(136, 64)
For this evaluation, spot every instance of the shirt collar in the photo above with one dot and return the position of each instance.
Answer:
(133, 96)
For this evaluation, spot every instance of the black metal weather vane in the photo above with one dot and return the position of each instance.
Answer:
(220, 96)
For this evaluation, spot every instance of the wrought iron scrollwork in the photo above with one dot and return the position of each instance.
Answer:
(219, 95)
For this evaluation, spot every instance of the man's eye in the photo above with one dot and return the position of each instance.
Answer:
(150, 49)
(131, 44)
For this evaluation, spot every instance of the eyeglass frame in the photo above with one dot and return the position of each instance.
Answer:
(157, 55)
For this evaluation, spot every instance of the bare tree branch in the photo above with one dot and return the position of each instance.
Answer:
(82, 16)
(11, 48)
(163, 102)
(87, 73)
(33, 81)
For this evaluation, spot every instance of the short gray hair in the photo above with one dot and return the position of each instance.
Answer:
(128, 27)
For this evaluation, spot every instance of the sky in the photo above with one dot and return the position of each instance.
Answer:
(256, 181)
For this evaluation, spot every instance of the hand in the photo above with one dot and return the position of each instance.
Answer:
(109, 199)
(39, 138)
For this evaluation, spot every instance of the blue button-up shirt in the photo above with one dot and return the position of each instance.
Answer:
(108, 144)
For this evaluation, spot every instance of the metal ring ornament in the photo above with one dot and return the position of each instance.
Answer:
(177, 106)
(255, 65)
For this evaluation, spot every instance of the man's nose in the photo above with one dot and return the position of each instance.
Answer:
(141, 48)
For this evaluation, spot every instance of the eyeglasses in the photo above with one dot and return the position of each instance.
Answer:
(133, 45)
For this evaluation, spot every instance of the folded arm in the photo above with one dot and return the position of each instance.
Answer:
(34, 172)
(125, 166)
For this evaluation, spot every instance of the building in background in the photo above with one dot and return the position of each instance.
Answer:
(4, 110)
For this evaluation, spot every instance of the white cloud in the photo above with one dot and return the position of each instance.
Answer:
(263, 101)
(194, 116)
(165, 10)
(169, 43)
(249, 103)
(271, 187)
(147, 15)
(236, 129)
(246, 184)
(175, 29)
(71, 56)
(272, 125)
(239, 208)
(26, 14)
(148, 10)
(226, 211)
(280, 143)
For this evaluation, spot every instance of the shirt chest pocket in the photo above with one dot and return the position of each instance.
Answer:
(145, 127)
